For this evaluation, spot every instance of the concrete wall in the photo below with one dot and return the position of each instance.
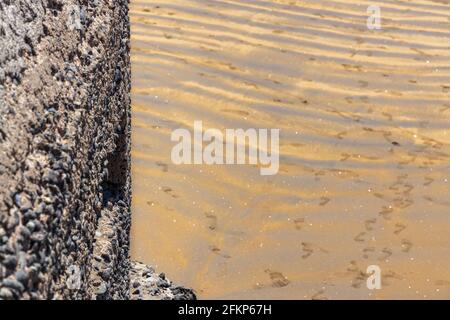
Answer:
(65, 152)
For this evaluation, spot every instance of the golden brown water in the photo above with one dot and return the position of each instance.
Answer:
(364, 147)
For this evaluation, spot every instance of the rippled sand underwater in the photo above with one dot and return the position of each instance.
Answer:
(364, 147)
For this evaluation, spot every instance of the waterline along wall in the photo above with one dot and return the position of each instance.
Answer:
(65, 154)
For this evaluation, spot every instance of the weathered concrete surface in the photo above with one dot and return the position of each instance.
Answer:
(146, 284)
(64, 149)
(64, 157)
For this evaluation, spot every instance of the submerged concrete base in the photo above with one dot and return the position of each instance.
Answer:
(65, 187)
(146, 284)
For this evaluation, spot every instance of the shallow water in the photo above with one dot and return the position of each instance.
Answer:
(364, 173)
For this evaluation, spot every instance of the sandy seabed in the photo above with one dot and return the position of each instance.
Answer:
(364, 147)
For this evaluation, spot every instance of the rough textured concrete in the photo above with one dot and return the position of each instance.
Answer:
(65, 149)
(146, 284)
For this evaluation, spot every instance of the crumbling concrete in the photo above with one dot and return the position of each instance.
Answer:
(146, 284)
(65, 151)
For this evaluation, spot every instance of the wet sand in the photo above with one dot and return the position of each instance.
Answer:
(364, 147)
